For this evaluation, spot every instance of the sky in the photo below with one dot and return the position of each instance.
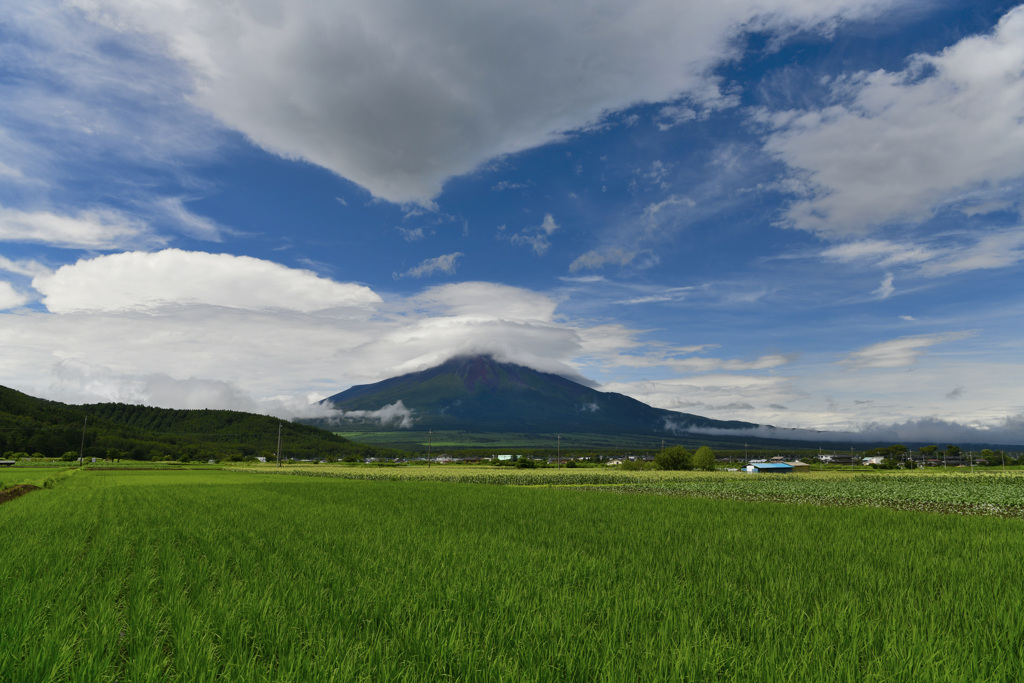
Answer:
(802, 213)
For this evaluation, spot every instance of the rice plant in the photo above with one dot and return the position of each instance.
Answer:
(226, 576)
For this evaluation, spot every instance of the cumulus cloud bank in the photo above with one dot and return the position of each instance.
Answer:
(1009, 431)
(395, 415)
(142, 280)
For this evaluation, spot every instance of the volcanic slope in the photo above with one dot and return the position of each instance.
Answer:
(478, 393)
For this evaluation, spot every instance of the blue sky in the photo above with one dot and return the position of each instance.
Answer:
(805, 214)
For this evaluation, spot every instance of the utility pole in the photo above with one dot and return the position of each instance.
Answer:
(430, 438)
(558, 453)
(278, 444)
(81, 451)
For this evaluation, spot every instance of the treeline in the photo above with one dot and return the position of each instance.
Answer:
(899, 455)
(116, 431)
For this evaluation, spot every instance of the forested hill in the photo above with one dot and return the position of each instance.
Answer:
(116, 430)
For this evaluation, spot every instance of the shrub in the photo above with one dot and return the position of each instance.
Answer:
(704, 459)
(674, 458)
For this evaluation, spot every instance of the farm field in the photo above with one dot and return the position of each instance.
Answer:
(190, 575)
(12, 476)
(952, 491)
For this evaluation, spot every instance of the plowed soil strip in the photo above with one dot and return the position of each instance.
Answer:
(15, 491)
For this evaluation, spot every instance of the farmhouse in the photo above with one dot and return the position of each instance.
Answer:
(763, 467)
(799, 466)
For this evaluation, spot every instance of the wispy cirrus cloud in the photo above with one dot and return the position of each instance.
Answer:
(899, 353)
(446, 263)
(940, 255)
(87, 229)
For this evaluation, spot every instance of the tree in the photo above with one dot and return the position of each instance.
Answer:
(704, 459)
(674, 458)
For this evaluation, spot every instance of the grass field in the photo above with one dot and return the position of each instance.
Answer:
(220, 575)
(12, 476)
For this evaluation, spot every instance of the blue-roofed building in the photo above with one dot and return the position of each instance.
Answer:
(776, 467)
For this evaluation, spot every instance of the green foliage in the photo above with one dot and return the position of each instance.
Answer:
(704, 459)
(116, 430)
(632, 465)
(674, 458)
(226, 576)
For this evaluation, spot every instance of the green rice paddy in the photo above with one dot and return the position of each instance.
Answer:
(190, 575)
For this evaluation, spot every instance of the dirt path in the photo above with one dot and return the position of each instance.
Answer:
(15, 491)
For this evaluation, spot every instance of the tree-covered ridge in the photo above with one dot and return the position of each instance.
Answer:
(202, 422)
(52, 429)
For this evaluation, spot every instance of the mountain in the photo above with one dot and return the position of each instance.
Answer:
(33, 425)
(481, 394)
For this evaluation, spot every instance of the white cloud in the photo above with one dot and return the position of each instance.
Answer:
(82, 96)
(10, 297)
(487, 300)
(411, 234)
(238, 358)
(898, 353)
(537, 237)
(902, 145)
(709, 394)
(612, 256)
(882, 252)
(23, 267)
(394, 415)
(398, 96)
(695, 364)
(140, 281)
(885, 290)
(89, 229)
(993, 250)
(445, 263)
(1009, 430)
(194, 225)
(77, 381)
(193, 354)
(946, 254)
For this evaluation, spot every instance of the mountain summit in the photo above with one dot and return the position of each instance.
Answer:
(481, 394)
